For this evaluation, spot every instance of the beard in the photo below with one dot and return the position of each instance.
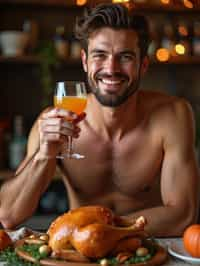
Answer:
(112, 99)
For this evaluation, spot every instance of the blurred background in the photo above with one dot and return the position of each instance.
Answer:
(37, 47)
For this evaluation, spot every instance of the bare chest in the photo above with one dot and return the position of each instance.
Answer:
(126, 168)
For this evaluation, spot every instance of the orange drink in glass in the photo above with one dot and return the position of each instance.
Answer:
(71, 96)
(72, 103)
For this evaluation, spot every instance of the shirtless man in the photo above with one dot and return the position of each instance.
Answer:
(138, 145)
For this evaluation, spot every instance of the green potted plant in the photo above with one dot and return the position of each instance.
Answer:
(48, 61)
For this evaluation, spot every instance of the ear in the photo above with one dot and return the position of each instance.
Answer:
(144, 65)
(84, 59)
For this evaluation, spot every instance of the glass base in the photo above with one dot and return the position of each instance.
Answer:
(70, 156)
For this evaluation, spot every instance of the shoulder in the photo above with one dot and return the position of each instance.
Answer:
(165, 105)
(169, 117)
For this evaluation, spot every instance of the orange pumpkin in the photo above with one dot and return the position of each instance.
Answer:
(191, 240)
(5, 240)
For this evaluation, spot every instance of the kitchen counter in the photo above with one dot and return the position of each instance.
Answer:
(177, 243)
(165, 242)
(174, 243)
(39, 222)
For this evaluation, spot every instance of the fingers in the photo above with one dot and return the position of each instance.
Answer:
(58, 124)
(80, 117)
(69, 116)
(56, 112)
(57, 129)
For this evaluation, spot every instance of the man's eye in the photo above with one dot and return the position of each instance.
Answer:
(98, 55)
(126, 57)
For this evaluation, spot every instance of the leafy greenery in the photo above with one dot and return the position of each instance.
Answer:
(48, 60)
(10, 258)
(33, 250)
(150, 244)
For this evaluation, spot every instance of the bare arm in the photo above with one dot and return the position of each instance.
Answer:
(179, 176)
(19, 196)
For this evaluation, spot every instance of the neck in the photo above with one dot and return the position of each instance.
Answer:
(112, 122)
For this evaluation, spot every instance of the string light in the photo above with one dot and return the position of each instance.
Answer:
(165, 2)
(120, 1)
(180, 49)
(183, 31)
(162, 55)
(81, 2)
(188, 3)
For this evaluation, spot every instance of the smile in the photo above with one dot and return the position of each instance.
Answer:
(111, 82)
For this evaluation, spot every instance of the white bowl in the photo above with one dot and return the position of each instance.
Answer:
(13, 43)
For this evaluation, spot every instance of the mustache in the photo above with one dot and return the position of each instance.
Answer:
(114, 75)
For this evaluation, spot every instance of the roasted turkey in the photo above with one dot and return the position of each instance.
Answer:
(94, 231)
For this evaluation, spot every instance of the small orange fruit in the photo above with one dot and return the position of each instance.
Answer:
(191, 240)
(5, 240)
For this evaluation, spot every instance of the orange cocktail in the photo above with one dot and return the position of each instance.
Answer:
(71, 103)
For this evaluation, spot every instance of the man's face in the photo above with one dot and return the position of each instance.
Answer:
(112, 65)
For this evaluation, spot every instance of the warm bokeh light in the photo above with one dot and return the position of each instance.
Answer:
(180, 49)
(120, 1)
(81, 2)
(165, 2)
(183, 30)
(162, 55)
(188, 3)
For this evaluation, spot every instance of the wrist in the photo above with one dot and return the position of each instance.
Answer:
(40, 156)
(47, 151)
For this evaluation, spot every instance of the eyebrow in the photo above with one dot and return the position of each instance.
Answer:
(97, 51)
(120, 53)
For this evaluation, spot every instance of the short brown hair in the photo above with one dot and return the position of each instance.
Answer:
(115, 16)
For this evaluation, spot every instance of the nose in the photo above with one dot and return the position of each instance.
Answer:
(112, 65)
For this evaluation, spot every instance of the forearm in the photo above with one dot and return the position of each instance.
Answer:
(19, 196)
(165, 220)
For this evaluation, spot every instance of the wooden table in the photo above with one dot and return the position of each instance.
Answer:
(172, 261)
(165, 242)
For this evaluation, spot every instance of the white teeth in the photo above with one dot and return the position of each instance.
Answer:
(113, 82)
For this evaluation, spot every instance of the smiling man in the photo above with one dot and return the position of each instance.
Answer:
(138, 145)
(113, 67)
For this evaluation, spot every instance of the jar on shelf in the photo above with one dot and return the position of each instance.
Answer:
(196, 38)
(31, 28)
(17, 145)
(155, 38)
(168, 40)
(61, 43)
(75, 49)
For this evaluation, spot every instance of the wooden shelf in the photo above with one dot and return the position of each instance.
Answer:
(72, 3)
(167, 8)
(26, 59)
(178, 60)
(40, 3)
(31, 59)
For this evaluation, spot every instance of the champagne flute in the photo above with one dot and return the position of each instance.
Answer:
(72, 96)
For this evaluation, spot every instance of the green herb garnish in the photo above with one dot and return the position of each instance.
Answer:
(10, 258)
(33, 250)
(150, 244)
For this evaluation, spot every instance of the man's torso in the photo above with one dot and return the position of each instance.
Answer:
(122, 174)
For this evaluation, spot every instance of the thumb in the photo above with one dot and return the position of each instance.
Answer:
(79, 118)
